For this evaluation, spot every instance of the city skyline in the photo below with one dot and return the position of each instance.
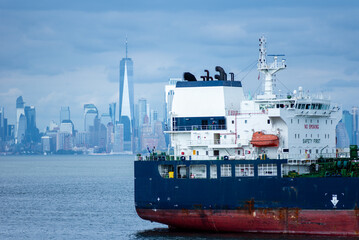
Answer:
(100, 135)
(54, 62)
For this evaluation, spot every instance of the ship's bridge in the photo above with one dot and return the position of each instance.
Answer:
(314, 107)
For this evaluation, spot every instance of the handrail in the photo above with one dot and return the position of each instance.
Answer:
(199, 127)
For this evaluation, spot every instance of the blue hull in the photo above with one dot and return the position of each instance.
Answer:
(154, 191)
(302, 205)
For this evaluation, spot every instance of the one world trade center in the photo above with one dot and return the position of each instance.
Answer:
(126, 107)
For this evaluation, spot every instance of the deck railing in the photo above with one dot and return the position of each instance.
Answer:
(301, 159)
(199, 127)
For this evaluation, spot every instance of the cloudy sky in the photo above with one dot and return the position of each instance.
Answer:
(66, 53)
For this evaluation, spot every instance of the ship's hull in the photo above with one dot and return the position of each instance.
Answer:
(247, 204)
(282, 220)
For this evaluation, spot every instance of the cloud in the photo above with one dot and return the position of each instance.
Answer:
(12, 92)
(339, 83)
(67, 53)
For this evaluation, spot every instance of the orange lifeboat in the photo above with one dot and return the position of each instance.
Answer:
(259, 139)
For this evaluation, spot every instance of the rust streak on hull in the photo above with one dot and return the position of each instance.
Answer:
(294, 221)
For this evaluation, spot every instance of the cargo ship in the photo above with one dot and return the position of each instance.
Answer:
(241, 164)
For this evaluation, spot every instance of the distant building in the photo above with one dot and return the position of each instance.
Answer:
(118, 144)
(110, 137)
(10, 132)
(53, 126)
(169, 93)
(142, 111)
(350, 121)
(105, 119)
(3, 126)
(20, 128)
(342, 136)
(25, 130)
(64, 141)
(158, 132)
(32, 132)
(67, 126)
(90, 114)
(53, 139)
(126, 107)
(147, 138)
(112, 112)
(46, 144)
(64, 114)
(355, 126)
(154, 116)
(65, 136)
(102, 138)
(152, 137)
(80, 139)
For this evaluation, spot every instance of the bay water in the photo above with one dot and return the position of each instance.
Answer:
(81, 197)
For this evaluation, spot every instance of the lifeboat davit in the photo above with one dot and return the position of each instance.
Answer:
(259, 139)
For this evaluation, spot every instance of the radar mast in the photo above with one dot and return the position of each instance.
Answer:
(268, 69)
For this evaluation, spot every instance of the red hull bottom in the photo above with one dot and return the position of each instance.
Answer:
(293, 221)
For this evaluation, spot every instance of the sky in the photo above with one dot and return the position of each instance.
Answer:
(67, 53)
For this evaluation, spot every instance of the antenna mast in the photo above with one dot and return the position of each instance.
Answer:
(126, 45)
(268, 69)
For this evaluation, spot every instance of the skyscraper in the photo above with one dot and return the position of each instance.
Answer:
(355, 125)
(91, 124)
(32, 132)
(64, 114)
(347, 119)
(2, 127)
(90, 113)
(142, 110)
(25, 130)
(20, 120)
(112, 112)
(342, 136)
(126, 108)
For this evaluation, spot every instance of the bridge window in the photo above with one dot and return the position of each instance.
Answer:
(226, 170)
(199, 123)
(244, 170)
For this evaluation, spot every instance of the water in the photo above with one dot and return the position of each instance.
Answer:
(81, 197)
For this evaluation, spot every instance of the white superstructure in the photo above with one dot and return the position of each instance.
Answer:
(214, 120)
